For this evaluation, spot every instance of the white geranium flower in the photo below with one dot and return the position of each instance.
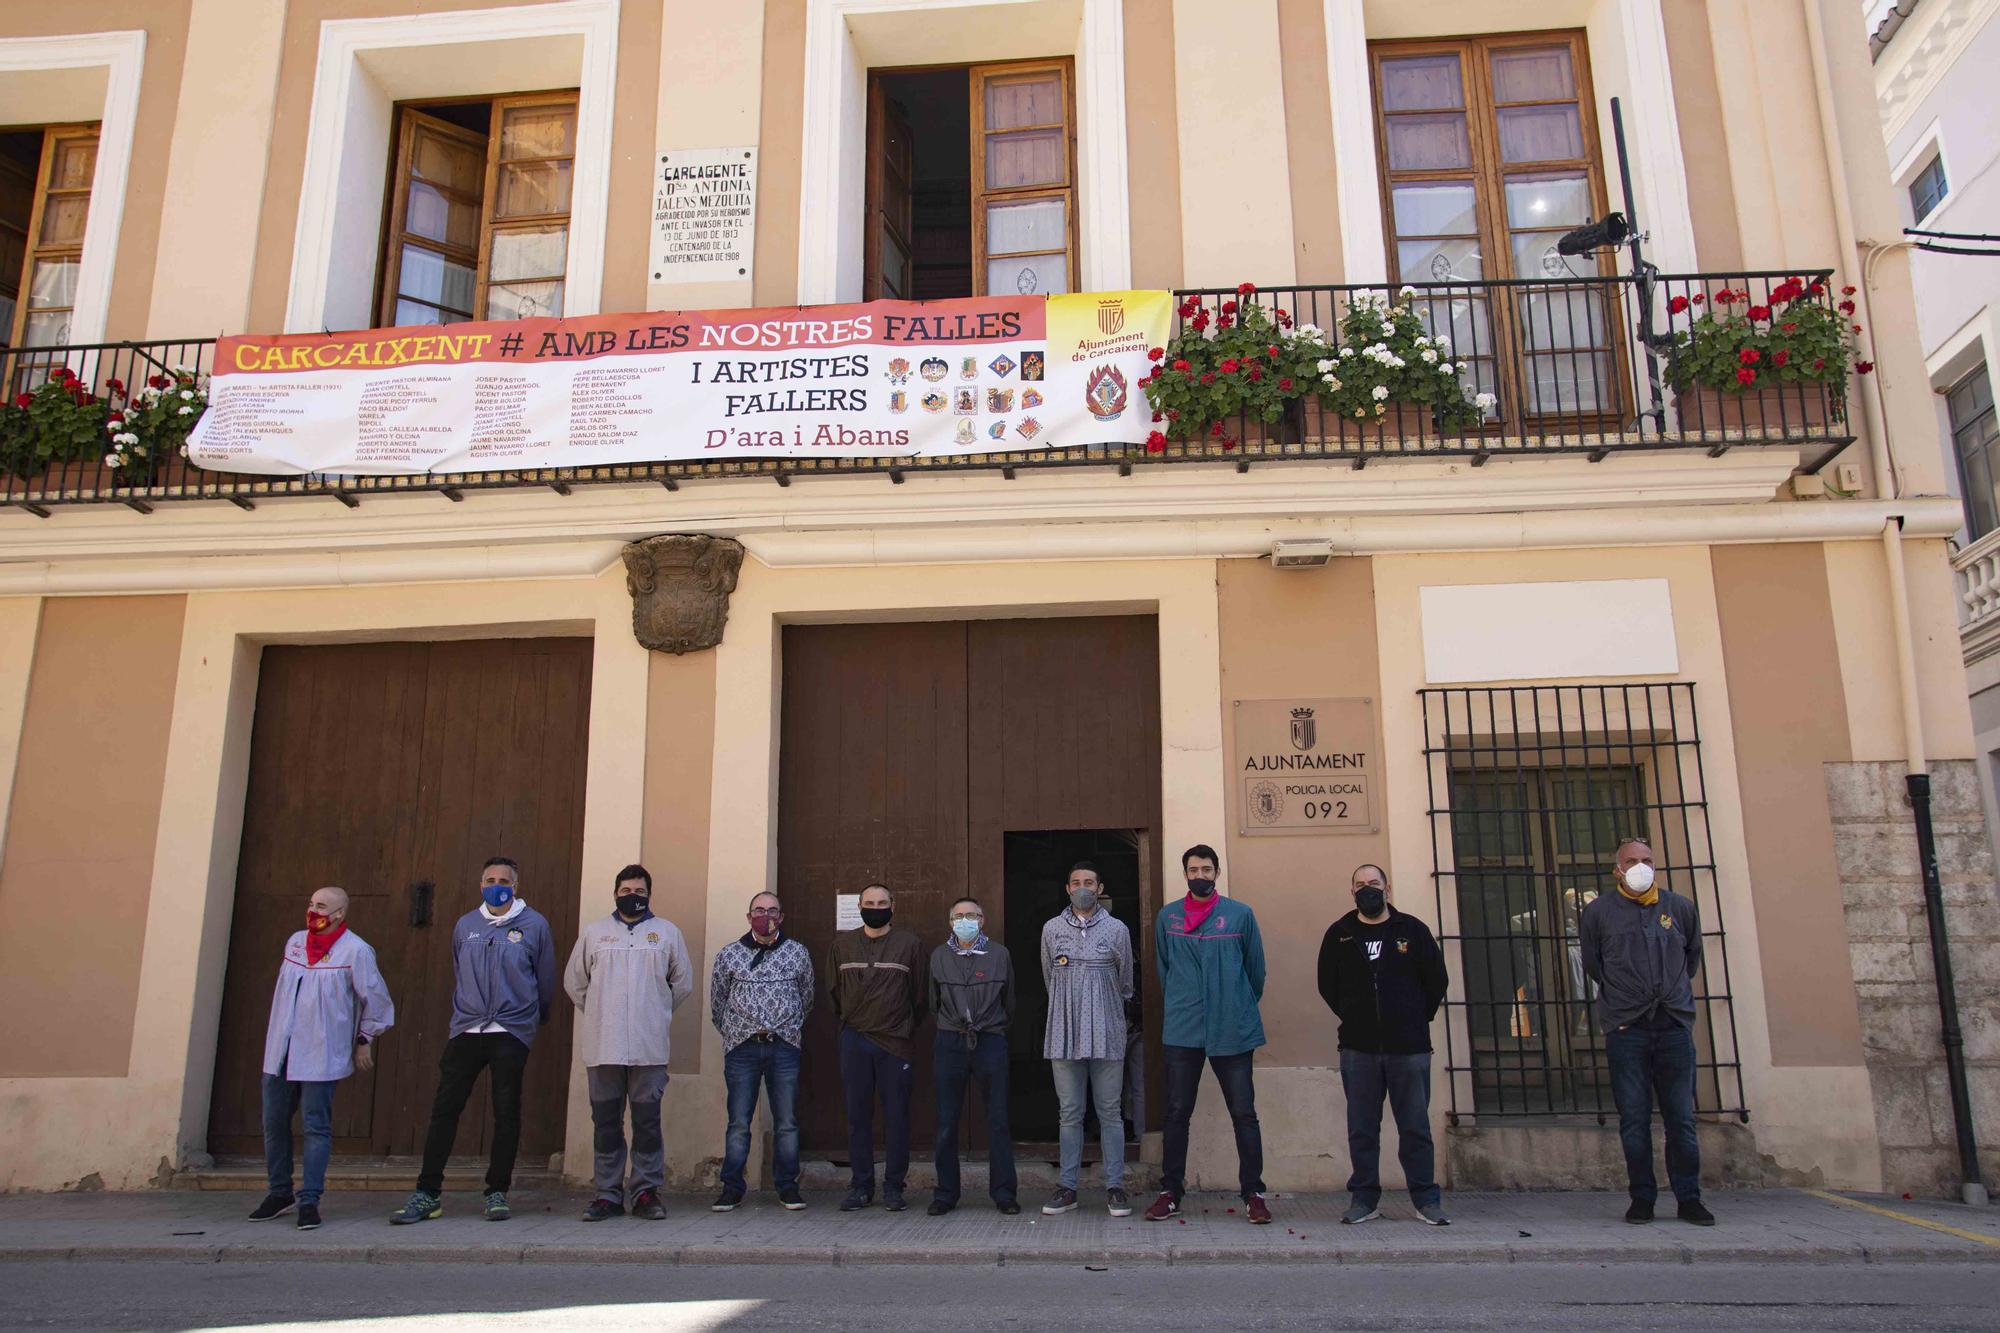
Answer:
(1450, 369)
(1407, 290)
(1333, 384)
(185, 412)
(184, 451)
(1380, 409)
(114, 460)
(1311, 331)
(1347, 351)
(1360, 416)
(124, 438)
(1325, 366)
(1381, 393)
(187, 393)
(1444, 344)
(1484, 401)
(1423, 341)
(1429, 356)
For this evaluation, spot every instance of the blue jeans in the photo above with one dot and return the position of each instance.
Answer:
(1104, 1078)
(1239, 1094)
(1651, 1060)
(864, 1068)
(1405, 1080)
(314, 1101)
(774, 1065)
(955, 1064)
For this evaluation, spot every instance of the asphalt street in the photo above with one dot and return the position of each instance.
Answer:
(388, 1298)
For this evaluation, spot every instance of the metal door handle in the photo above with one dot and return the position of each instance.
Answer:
(420, 902)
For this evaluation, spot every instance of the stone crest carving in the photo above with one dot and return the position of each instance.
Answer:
(680, 586)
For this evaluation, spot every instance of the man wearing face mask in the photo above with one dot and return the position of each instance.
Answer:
(759, 993)
(1642, 946)
(1382, 974)
(503, 963)
(1211, 961)
(625, 976)
(972, 994)
(1087, 966)
(327, 1010)
(876, 975)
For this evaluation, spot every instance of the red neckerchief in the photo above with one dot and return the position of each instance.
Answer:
(318, 944)
(1197, 911)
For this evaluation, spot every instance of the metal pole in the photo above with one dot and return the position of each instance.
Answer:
(1972, 1190)
(1642, 272)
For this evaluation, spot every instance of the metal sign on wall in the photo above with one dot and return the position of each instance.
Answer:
(1306, 766)
(704, 214)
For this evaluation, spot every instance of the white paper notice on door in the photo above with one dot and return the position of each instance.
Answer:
(847, 911)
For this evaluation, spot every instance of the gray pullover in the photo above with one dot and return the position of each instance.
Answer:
(1087, 964)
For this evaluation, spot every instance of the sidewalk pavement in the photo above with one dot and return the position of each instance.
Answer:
(1771, 1226)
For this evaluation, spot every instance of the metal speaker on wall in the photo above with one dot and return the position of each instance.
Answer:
(680, 586)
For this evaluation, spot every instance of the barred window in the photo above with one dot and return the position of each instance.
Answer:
(1533, 789)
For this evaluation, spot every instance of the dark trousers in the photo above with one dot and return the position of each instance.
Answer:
(866, 1068)
(1655, 1058)
(1239, 1094)
(458, 1069)
(954, 1065)
(313, 1103)
(612, 1089)
(774, 1065)
(1406, 1081)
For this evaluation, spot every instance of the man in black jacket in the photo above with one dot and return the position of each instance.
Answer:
(972, 994)
(1382, 974)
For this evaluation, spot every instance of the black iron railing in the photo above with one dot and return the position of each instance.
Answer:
(1567, 362)
(1532, 791)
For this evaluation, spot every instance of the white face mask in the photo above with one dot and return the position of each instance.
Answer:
(1639, 877)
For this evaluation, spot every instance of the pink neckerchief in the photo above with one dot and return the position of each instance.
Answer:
(1197, 911)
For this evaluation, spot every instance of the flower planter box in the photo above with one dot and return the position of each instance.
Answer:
(1777, 411)
(1403, 426)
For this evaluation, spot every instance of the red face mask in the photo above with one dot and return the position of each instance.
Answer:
(317, 922)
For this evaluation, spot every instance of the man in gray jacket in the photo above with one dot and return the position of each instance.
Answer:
(625, 976)
(1087, 963)
(972, 994)
(1642, 946)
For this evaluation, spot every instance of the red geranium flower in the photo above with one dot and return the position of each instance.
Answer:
(1215, 429)
(118, 385)
(1789, 328)
(1173, 414)
(1223, 322)
(1271, 351)
(1284, 318)
(1230, 366)
(1760, 312)
(157, 381)
(1256, 374)
(1678, 304)
(1154, 354)
(1158, 417)
(1286, 384)
(1228, 443)
(1725, 297)
(1746, 376)
(1749, 356)
(23, 399)
(1188, 307)
(1780, 357)
(1863, 367)
(1819, 363)
(1845, 307)
(1245, 288)
(1229, 307)
(1156, 443)
(1180, 363)
(1697, 299)
(1847, 291)
(1208, 377)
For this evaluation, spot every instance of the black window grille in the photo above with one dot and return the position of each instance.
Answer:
(1532, 789)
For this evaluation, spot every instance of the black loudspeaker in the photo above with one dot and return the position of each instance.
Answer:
(1612, 229)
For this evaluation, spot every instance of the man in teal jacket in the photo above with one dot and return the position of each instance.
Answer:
(1211, 963)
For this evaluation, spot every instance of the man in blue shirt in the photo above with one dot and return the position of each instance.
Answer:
(503, 961)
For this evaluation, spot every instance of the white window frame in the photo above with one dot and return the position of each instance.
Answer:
(101, 70)
(833, 150)
(336, 248)
(1975, 342)
(1929, 144)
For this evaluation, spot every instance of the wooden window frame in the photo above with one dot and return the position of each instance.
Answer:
(1488, 174)
(37, 251)
(409, 117)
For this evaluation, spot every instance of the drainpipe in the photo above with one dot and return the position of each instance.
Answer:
(1917, 782)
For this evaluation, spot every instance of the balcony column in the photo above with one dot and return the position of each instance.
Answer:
(1364, 257)
(1236, 191)
(1653, 138)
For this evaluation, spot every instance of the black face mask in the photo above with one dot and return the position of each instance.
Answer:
(1201, 888)
(1370, 901)
(876, 917)
(631, 904)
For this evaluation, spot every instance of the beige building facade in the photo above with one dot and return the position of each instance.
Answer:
(216, 696)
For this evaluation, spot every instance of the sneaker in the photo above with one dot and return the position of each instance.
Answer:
(1256, 1211)
(1009, 1208)
(274, 1205)
(1062, 1201)
(792, 1199)
(600, 1209)
(1432, 1215)
(646, 1204)
(422, 1207)
(1640, 1212)
(1164, 1207)
(726, 1201)
(1357, 1213)
(939, 1208)
(308, 1217)
(893, 1201)
(1117, 1203)
(496, 1206)
(1692, 1210)
(857, 1199)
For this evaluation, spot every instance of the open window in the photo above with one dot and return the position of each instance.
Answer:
(478, 211)
(45, 177)
(971, 181)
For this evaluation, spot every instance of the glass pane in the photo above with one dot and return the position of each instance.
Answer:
(75, 164)
(542, 187)
(1422, 83)
(1551, 199)
(1534, 74)
(1439, 261)
(1033, 100)
(1435, 210)
(1535, 256)
(538, 131)
(1462, 319)
(542, 253)
(1570, 382)
(437, 217)
(524, 300)
(416, 312)
(50, 329)
(457, 166)
(63, 217)
(54, 283)
(1035, 224)
(1027, 275)
(1435, 142)
(430, 277)
(895, 266)
(1035, 157)
(1540, 133)
(1968, 398)
(1572, 317)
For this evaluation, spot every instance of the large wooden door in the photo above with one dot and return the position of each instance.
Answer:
(909, 751)
(394, 770)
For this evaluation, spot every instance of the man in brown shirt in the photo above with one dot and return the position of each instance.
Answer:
(877, 979)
